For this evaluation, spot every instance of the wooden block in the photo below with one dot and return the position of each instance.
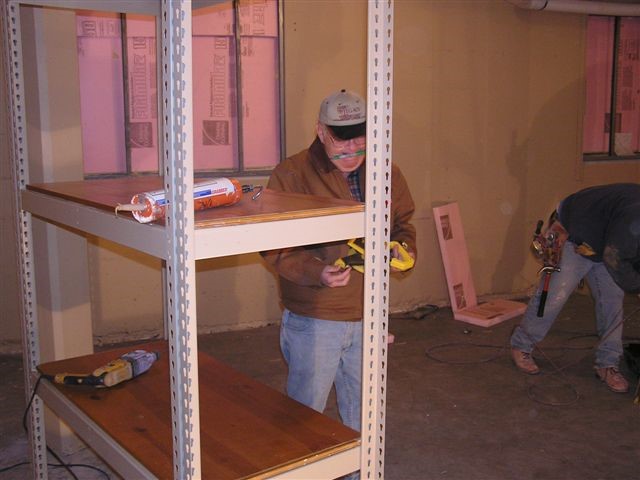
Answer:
(462, 292)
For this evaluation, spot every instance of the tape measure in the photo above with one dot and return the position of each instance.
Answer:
(355, 257)
(404, 261)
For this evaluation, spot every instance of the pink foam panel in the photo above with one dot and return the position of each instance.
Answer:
(216, 20)
(455, 256)
(141, 25)
(101, 92)
(628, 87)
(260, 99)
(143, 91)
(462, 291)
(599, 62)
(259, 18)
(214, 105)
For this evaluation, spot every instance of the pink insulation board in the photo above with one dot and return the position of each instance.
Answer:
(216, 20)
(260, 102)
(259, 18)
(215, 96)
(143, 93)
(215, 106)
(260, 73)
(462, 292)
(598, 66)
(628, 88)
(101, 92)
(455, 257)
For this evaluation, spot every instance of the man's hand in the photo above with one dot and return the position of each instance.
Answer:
(335, 276)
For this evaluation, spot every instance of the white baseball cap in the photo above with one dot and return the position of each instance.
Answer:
(344, 113)
(343, 108)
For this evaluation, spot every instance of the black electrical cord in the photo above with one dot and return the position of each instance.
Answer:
(11, 467)
(533, 390)
(417, 314)
(502, 350)
(56, 465)
(61, 464)
(535, 393)
(429, 352)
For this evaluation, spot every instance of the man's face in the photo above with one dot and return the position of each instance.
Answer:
(346, 155)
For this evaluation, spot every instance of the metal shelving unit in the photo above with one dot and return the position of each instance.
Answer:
(180, 244)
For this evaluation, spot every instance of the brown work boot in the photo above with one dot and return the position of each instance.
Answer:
(613, 378)
(524, 362)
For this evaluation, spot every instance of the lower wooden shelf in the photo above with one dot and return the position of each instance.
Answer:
(247, 429)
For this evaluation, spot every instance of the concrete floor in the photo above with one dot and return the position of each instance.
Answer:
(460, 412)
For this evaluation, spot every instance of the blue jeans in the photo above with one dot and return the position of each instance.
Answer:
(608, 303)
(320, 353)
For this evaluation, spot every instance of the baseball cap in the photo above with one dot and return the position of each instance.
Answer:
(345, 113)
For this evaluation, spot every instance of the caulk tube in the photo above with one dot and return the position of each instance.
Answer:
(151, 206)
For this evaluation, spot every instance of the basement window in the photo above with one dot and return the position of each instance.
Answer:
(612, 113)
(236, 90)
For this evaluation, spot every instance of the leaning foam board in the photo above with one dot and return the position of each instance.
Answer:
(455, 259)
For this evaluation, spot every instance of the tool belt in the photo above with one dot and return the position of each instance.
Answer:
(547, 245)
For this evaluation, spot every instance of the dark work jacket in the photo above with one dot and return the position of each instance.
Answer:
(299, 268)
(607, 218)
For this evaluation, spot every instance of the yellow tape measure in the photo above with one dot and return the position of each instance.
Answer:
(404, 261)
(355, 258)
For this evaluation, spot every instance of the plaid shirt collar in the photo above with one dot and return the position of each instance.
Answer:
(353, 179)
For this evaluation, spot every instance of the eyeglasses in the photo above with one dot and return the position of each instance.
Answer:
(339, 143)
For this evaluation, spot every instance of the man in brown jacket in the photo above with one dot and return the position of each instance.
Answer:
(321, 331)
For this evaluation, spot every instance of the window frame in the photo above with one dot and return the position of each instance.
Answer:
(610, 155)
(222, 172)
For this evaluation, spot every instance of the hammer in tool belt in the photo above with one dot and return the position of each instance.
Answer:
(547, 246)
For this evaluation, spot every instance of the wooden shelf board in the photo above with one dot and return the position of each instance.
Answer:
(269, 206)
(247, 429)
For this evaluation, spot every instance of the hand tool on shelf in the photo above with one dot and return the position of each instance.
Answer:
(124, 368)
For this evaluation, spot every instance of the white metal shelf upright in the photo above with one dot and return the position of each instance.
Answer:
(175, 16)
(377, 230)
(180, 235)
(181, 267)
(10, 13)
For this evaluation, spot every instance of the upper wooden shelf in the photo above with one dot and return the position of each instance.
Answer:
(248, 226)
(270, 205)
(248, 430)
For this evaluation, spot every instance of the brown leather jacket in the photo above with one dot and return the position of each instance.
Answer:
(299, 268)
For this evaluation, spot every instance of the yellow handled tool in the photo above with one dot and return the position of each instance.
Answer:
(355, 258)
(404, 261)
(126, 367)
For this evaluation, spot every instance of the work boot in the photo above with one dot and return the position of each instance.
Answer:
(613, 378)
(524, 362)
